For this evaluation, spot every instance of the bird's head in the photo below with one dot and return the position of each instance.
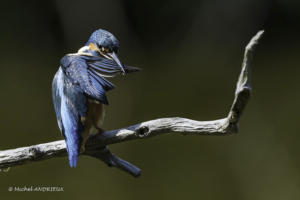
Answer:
(106, 44)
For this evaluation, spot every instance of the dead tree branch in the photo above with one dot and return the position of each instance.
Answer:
(97, 143)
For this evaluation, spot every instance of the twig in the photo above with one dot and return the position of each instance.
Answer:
(97, 144)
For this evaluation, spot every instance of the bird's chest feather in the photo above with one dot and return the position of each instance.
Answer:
(95, 115)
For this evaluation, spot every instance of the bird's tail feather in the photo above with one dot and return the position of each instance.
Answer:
(73, 148)
(73, 154)
(71, 131)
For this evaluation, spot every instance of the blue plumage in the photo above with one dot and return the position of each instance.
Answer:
(81, 79)
(104, 38)
(69, 104)
(79, 74)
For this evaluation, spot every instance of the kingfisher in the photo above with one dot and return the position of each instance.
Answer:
(79, 89)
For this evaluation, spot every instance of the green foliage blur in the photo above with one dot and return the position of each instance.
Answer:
(191, 53)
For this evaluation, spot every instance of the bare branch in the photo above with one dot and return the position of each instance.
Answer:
(97, 144)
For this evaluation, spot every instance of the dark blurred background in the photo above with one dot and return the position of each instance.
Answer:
(191, 53)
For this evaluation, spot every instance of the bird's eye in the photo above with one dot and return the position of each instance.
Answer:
(105, 50)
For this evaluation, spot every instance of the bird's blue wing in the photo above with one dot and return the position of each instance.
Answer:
(106, 67)
(70, 106)
(91, 81)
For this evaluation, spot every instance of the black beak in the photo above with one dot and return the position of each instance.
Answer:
(115, 58)
(112, 56)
